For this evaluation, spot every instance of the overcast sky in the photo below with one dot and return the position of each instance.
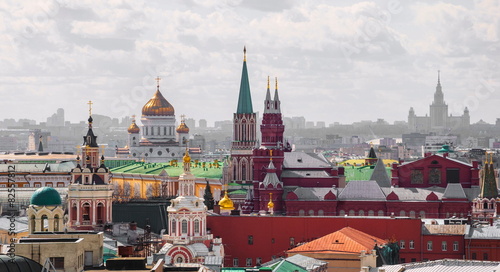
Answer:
(336, 61)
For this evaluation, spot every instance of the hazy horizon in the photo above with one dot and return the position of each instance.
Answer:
(335, 61)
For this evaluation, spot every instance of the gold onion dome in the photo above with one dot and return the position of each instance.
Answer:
(187, 158)
(182, 128)
(270, 204)
(158, 106)
(133, 128)
(226, 203)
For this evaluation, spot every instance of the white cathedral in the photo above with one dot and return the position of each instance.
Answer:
(158, 139)
(438, 119)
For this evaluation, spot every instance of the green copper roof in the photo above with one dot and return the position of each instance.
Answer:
(445, 149)
(245, 99)
(173, 171)
(361, 173)
(45, 196)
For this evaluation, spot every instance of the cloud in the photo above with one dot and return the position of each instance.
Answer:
(330, 58)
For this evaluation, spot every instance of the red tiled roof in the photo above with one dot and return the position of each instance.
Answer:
(344, 241)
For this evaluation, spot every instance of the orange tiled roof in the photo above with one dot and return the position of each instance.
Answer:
(344, 241)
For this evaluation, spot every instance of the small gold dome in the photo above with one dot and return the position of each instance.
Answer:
(182, 128)
(226, 203)
(270, 204)
(133, 128)
(158, 106)
(186, 158)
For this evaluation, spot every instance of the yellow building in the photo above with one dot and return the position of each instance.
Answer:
(69, 252)
(151, 180)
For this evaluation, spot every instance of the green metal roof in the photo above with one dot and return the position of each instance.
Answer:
(173, 171)
(245, 98)
(45, 196)
(238, 192)
(286, 266)
(361, 173)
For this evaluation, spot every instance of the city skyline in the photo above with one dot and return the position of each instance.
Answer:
(334, 62)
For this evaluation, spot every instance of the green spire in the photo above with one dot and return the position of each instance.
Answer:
(245, 99)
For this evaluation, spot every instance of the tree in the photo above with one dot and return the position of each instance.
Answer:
(209, 198)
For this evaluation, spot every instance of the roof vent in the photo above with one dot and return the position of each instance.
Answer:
(299, 160)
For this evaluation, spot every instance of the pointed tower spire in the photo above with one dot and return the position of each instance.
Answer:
(277, 102)
(439, 78)
(90, 140)
(40, 145)
(489, 187)
(268, 103)
(245, 98)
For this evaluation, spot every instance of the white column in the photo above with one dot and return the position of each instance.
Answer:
(77, 213)
(94, 210)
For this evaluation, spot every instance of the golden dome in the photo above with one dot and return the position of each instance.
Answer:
(186, 157)
(158, 106)
(226, 203)
(133, 128)
(182, 128)
(270, 204)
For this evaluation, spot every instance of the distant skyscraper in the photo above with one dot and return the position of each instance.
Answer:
(439, 120)
(57, 119)
(203, 123)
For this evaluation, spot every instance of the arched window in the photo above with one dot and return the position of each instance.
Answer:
(244, 171)
(371, 213)
(56, 222)
(341, 213)
(174, 227)
(380, 213)
(184, 226)
(45, 220)
(74, 211)
(100, 213)
(412, 214)
(196, 226)
(86, 212)
(311, 212)
(361, 213)
(352, 213)
(402, 213)
(321, 213)
(422, 214)
(302, 213)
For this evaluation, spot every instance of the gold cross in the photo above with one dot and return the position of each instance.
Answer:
(90, 107)
(182, 117)
(158, 81)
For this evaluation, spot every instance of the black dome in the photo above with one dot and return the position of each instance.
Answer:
(18, 264)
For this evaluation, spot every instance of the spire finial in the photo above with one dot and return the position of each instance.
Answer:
(439, 77)
(244, 53)
(276, 83)
(90, 107)
(158, 82)
(271, 155)
(268, 82)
